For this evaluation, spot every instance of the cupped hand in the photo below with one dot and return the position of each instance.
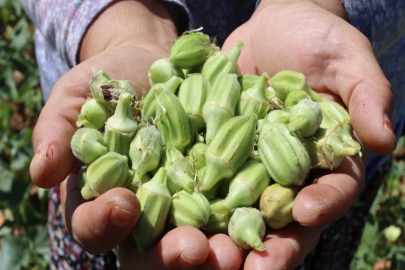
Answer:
(339, 62)
(125, 40)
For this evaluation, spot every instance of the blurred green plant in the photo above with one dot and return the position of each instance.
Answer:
(24, 240)
(383, 240)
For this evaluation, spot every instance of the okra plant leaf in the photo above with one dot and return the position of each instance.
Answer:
(14, 253)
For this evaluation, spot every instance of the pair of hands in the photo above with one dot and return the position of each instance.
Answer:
(304, 36)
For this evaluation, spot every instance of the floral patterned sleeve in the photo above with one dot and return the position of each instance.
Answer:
(63, 23)
(381, 21)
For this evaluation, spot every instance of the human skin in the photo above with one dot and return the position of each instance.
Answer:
(128, 37)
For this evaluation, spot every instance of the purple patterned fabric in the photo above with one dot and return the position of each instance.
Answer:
(60, 28)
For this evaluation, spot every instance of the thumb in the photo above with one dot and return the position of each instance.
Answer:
(363, 87)
(53, 159)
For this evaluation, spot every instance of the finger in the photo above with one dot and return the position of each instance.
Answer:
(331, 195)
(53, 159)
(285, 248)
(182, 247)
(224, 254)
(102, 224)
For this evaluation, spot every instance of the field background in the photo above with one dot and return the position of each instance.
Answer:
(24, 240)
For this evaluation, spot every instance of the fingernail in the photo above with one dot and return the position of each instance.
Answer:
(387, 124)
(183, 263)
(119, 217)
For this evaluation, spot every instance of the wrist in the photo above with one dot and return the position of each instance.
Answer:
(144, 23)
(334, 6)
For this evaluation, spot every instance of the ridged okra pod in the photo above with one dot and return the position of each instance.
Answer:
(172, 122)
(189, 208)
(162, 70)
(327, 148)
(107, 90)
(294, 97)
(275, 102)
(287, 81)
(192, 95)
(93, 114)
(120, 128)
(247, 185)
(221, 63)
(210, 194)
(196, 155)
(247, 81)
(134, 181)
(247, 228)
(191, 49)
(155, 201)
(276, 204)
(337, 118)
(150, 103)
(88, 145)
(179, 171)
(106, 172)
(229, 150)
(282, 153)
(278, 116)
(305, 118)
(253, 100)
(218, 220)
(144, 151)
(221, 103)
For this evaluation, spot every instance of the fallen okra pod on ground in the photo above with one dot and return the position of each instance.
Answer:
(208, 143)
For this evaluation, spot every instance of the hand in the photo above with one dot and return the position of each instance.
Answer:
(338, 61)
(124, 40)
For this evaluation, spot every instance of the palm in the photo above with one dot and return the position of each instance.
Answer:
(301, 37)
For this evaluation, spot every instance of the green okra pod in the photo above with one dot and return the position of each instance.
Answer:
(282, 153)
(145, 150)
(162, 70)
(106, 172)
(191, 50)
(294, 97)
(247, 185)
(247, 81)
(189, 208)
(172, 122)
(305, 118)
(192, 96)
(219, 218)
(155, 200)
(120, 128)
(221, 103)
(327, 148)
(93, 114)
(278, 116)
(88, 145)
(287, 81)
(196, 155)
(253, 100)
(221, 63)
(229, 150)
(276, 204)
(247, 228)
(179, 171)
(150, 103)
(107, 90)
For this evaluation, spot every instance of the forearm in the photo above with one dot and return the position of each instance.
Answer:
(63, 22)
(334, 6)
(144, 23)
